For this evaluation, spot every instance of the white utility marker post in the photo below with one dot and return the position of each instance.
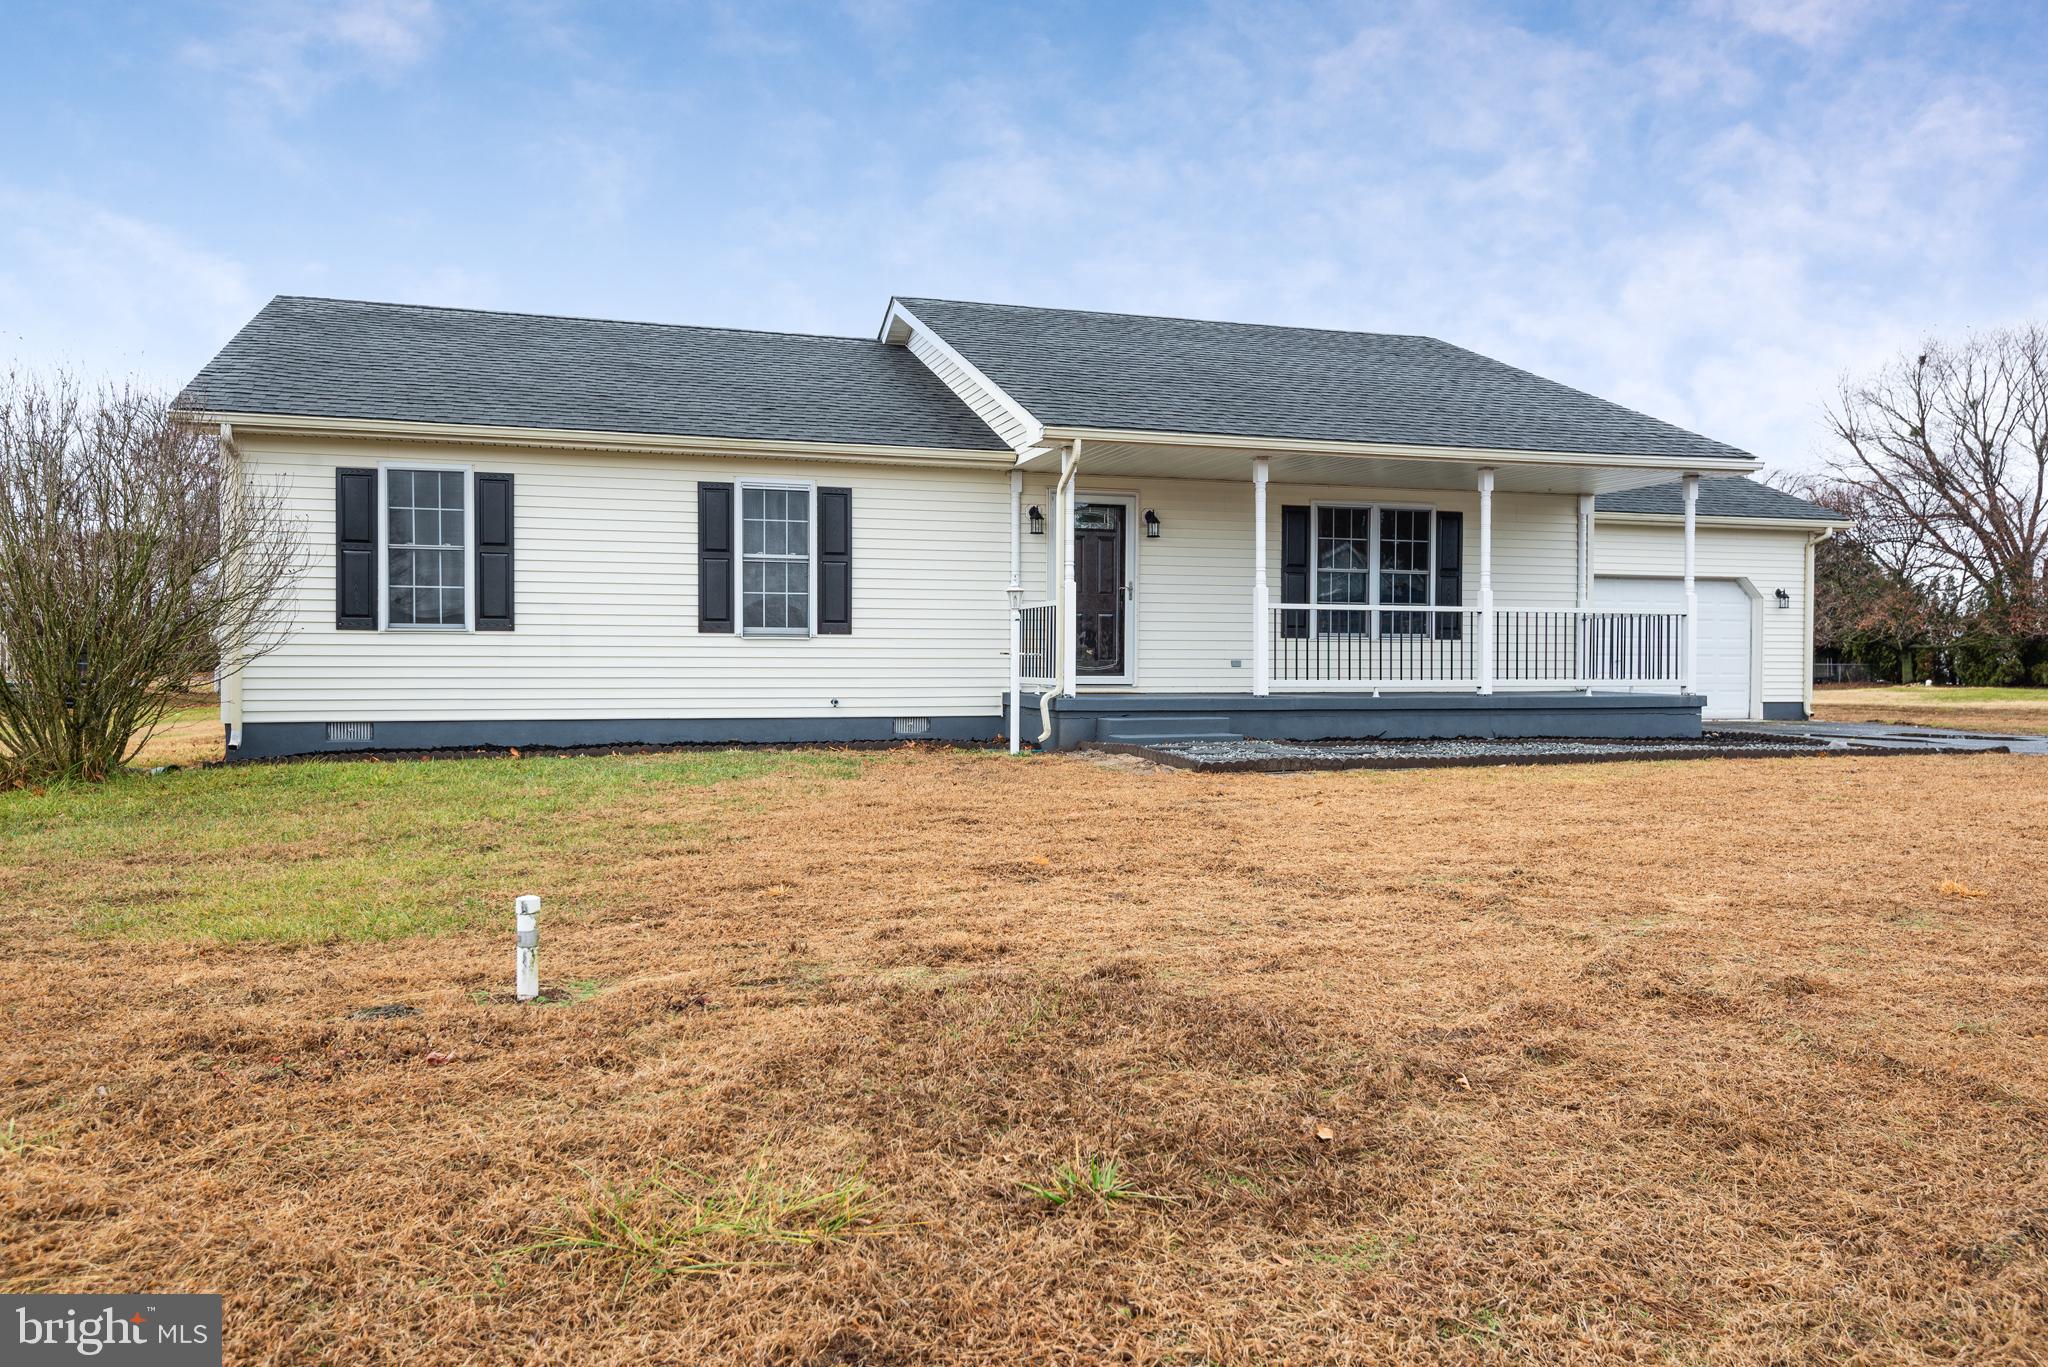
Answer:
(1486, 581)
(1692, 599)
(1016, 611)
(526, 969)
(1070, 621)
(1262, 616)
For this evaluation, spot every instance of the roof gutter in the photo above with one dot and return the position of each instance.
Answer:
(569, 439)
(1676, 465)
(1827, 525)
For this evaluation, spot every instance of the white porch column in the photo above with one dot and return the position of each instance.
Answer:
(1016, 727)
(1582, 630)
(1691, 672)
(1586, 526)
(1486, 581)
(1070, 621)
(1262, 617)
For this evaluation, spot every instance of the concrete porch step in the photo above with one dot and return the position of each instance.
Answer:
(1143, 730)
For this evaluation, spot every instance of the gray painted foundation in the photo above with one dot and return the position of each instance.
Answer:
(1361, 716)
(268, 740)
(1076, 721)
(1784, 711)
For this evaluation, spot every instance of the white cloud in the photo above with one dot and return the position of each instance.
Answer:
(286, 54)
(1639, 210)
(1807, 22)
(108, 294)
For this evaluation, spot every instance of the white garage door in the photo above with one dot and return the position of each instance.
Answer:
(1724, 630)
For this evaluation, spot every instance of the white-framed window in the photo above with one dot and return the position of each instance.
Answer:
(1376, 556)
(778, 566)
(427, 533)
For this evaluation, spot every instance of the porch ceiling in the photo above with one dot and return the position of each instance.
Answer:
(1515, 472)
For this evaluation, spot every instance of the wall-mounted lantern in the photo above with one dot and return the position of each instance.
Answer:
(1151, 524)
(1784, 599)
(1037, 520)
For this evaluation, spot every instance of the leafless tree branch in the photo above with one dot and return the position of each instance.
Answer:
(131, 562)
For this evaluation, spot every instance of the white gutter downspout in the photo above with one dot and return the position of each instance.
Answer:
(230, 681)
(1063, 508)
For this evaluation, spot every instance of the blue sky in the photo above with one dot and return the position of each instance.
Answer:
(1708, 210)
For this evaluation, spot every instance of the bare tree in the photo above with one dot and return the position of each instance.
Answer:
(131, 562)
(1946, 453)
(1879, 595)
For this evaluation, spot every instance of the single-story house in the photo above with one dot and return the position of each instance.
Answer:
(987, 520)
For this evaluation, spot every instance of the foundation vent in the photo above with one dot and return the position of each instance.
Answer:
(348, 730)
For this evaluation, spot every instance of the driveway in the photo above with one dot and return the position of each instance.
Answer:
(1870, 735)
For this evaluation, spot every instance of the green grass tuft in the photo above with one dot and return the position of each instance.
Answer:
(674, 1225)
(1088, 1179)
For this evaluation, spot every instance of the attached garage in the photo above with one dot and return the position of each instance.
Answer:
(1728, 651)
(1754, 580)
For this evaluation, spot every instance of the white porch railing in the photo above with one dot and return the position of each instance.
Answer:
(1321, 646)
(1318, 646)
(1038, 644)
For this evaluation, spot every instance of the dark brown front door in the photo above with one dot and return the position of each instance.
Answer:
(1099, 580)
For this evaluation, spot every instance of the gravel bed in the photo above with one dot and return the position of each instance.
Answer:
(1279, 756)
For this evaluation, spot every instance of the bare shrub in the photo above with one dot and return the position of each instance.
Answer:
(132, 561)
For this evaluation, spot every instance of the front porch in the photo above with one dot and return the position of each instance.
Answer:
(1378, 630)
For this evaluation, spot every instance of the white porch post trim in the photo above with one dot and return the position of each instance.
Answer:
(1582, 637)
(1692, 599)
(1586, 525)
(1262, 617)
(1016, 727)
(1070, 621)
(1486, 581)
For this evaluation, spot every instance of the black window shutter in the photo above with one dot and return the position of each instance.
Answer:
(1450, 574)
(714, 557)
(355, 550)
(835, 562)
(493, 552)
(1294, 555)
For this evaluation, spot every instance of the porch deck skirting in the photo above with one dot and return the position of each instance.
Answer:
(1087, 717)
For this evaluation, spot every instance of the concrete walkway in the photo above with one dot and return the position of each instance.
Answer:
(1870, 735)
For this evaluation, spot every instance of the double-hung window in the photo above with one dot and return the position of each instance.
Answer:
(775, 559)
(1376, 558)
(1343, 566)
(426, 548)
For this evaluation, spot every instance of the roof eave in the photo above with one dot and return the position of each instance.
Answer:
(1723, 520)
(550, 438)
(1736, 464)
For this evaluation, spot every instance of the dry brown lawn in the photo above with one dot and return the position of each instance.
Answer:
(1706, 1062)
(2020, 710)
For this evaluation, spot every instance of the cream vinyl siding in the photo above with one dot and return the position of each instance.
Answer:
(1768, 558)
(606, 599)
(1194, 584)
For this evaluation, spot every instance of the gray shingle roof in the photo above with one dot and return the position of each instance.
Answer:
(1718, 498)
(1115, 370)
(349, 359)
